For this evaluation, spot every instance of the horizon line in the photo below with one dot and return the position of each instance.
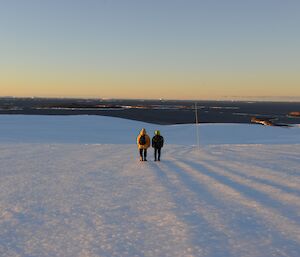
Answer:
(227, 98)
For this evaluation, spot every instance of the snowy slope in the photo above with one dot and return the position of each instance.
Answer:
(108, 130)
(85, 199)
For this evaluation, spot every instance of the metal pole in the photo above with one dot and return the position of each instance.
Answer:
(197, 127)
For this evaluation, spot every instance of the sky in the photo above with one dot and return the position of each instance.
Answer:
(171, 49)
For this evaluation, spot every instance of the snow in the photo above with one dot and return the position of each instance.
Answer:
(108, 130)
(73, 186)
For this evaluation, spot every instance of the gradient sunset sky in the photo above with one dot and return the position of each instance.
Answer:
(187, 49)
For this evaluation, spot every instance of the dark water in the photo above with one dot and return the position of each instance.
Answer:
(156, 111)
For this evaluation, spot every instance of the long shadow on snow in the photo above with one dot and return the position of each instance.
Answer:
(247, 191)
(255, 179)
(253, 231)
(263, 163)
(213, 237)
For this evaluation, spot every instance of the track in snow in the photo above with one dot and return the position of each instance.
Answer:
(98, 200)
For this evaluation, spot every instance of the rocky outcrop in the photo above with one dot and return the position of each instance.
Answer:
(265, 122)
(294, 114)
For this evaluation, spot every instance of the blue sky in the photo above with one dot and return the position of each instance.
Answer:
(148, 49)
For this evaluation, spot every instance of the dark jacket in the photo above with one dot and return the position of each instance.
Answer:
(157, 141)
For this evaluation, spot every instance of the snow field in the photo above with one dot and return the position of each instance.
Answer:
(108, 130)
(99, 200)
(73, 187)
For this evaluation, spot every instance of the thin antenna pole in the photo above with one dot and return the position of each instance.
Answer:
(197, 127)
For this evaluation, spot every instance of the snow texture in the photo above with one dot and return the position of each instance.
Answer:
(108, 130)
(96, 199)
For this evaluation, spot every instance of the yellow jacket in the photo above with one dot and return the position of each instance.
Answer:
(147, 145)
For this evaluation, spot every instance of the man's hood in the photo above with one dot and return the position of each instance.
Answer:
(143, 132)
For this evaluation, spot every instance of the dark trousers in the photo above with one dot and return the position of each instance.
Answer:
(157, 152)
(143, 154)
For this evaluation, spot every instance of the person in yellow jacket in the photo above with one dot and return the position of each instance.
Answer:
(143, 142)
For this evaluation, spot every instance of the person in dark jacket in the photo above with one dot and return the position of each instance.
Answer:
(157, 144)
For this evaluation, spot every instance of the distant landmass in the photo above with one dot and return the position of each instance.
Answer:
(158, 111)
